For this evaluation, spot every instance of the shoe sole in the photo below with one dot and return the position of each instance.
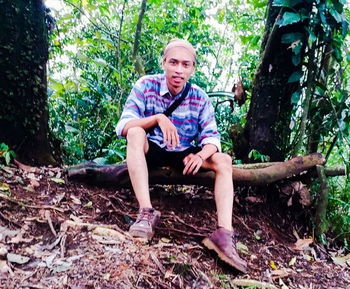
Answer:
(211, 246)
(142, 235)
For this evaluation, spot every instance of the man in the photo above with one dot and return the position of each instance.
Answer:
(156, 140)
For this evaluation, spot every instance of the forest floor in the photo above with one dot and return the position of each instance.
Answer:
(55, 233)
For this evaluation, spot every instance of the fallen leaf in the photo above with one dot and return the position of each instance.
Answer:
(88, 204)
(343, 261)
(292, 261)
(282, 284)
(107, 276)
(76, 201)
(29, 189)
(242, 248)
(26, 168)
(165, 240)
(58, 180)
(4, 187)
(34, 183)
(272, 264)
(281, 273)
(302, 244)
(105, 232)
(15, 258)
(257, 234)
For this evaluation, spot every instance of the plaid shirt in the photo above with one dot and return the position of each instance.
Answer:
(194, 118)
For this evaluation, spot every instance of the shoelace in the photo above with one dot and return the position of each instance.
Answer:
(145, 215)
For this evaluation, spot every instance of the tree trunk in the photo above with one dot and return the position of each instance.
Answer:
(267, 128)
(137, 61)
(23, 83)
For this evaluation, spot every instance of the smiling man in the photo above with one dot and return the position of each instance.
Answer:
(187, 139)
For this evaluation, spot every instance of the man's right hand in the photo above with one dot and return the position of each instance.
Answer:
(170, 135)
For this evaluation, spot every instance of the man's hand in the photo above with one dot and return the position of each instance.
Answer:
(192, 163)
(170, 136)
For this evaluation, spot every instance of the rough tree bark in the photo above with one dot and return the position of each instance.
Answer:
(117, 175)
(23, 81)
(267, 128)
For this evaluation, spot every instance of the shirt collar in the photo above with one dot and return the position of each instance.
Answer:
(163, 87)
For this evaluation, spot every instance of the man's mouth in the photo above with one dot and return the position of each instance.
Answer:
(178, 78)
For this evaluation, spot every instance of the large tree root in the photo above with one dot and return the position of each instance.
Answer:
(117, 175)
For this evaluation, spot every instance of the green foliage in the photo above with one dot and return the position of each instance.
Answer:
(254, 154)
(6, 153)
(338, 212)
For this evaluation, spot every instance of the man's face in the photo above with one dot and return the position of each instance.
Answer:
(178, 67)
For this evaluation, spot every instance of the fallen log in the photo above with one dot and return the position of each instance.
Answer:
(117, 175)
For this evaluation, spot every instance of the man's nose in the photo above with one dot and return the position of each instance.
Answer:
(179, 68)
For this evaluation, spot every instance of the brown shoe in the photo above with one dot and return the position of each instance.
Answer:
(145, 223)
(222, 242)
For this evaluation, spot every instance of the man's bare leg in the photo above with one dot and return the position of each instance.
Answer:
(136, 161)
(221, 240)
(223, 189)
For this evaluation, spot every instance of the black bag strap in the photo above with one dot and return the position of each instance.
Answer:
(177, 102)
(174, 105)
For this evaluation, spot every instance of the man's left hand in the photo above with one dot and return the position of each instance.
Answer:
(192, 163)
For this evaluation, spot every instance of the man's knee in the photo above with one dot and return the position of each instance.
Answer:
(135, 134)
(222, 162)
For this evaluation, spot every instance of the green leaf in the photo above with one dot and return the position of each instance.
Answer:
(289, 18)
(312, 36)
(338, 17)
(100, 62)
(71, 129)
(259, 3)
(286, 3)
(296, 75)
(57, 180)
(242, 248)
(291, 37)
(296, 59)
(296, 96)
(7, 157)
(100, 161)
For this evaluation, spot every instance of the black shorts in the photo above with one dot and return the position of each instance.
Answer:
(159, 157)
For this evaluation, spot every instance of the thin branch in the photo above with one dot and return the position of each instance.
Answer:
(92, 22)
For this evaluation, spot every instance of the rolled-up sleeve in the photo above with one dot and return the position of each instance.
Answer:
(134, 108)
(208, 133)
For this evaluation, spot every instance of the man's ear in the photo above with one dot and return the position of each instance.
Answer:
(163, 63)
(193, 69)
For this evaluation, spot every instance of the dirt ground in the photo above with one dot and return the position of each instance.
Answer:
(55, 233)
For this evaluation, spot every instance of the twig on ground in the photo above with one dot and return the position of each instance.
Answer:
(156, 260)
(177, 218)
(22, 204)
(243, 223)
(252, 283)
(184, 232)
(120, 212)
(63, 245)
(49, 221)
